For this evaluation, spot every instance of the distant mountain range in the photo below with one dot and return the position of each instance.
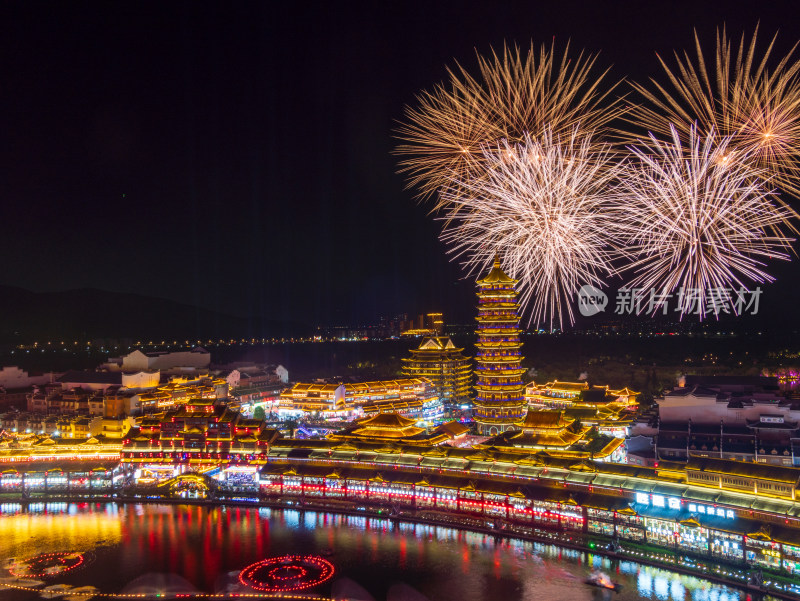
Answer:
(87, 314)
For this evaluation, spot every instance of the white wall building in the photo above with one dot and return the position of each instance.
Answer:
(241, 372)
(14, 377)
(197, 358)
(141, 379)
(730, 400)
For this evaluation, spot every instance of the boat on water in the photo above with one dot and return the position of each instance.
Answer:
(603, 581)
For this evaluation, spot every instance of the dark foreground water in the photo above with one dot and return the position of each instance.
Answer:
(209, 546)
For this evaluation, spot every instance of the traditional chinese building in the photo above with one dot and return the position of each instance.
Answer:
(394, 428)
(499, 391)
(196, 436)
(610, 410)
(179, 391)
(444, 364)
(16, 448)
(413, 396)
(563, 395)
(728, 417)
(546, 429)
(558, 435)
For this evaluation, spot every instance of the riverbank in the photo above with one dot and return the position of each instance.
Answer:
(734, 575)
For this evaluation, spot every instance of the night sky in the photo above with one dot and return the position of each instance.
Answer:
(237, 156)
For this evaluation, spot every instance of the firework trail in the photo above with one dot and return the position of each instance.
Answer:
(545, 205)
(515, 95)
(757, 107)
(699, 219)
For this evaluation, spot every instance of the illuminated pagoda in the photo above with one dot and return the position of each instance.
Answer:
(444, 364)
(499, 391)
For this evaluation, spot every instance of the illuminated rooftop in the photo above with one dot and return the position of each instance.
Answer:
(496, 275)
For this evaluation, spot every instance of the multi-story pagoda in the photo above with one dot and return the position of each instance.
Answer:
(499, 391)
(445, 365)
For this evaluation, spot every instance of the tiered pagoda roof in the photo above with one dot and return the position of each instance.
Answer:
(496, 275)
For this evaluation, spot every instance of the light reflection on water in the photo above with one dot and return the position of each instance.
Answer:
(205, 545)
(57, 527)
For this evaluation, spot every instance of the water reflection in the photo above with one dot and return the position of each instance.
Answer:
(57, 527)
(204, 548)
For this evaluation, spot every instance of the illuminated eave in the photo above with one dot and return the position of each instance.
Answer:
(498, 301)
(493, 317)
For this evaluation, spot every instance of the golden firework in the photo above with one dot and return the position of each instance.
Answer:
(548, 205)
(698, 222)
(739, 96)
(516, 94)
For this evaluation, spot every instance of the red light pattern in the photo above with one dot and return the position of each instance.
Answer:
(46, 565)
(286, 573)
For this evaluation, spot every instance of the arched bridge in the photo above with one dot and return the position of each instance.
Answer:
(190, 484)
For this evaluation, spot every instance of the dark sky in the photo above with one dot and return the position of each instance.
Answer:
(237, 155)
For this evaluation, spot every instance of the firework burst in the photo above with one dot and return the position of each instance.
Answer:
(699, 219)
(516, 95)
(758, 108)
(545, 205)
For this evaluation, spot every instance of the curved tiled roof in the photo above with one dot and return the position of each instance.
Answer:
(387, 420)
(545, 419)
(497, 275)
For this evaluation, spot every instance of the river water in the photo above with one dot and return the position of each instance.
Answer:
(203, 549)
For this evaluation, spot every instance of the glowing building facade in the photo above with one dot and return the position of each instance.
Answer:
(499, 391)
(414, 397)
(610, 411)
(196, 437)
(567, 395)
(444, 364)
(393, 428)
(181, 391)
(558, 435)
